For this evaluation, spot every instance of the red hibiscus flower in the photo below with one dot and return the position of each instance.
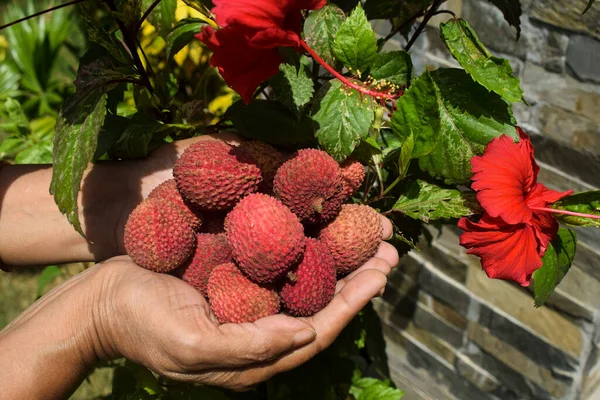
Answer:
(245, 47)
(513, 234)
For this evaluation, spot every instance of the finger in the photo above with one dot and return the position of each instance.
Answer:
(241, 345)
(374, 263)
(388, 229)
(328, 324)
(388, 253)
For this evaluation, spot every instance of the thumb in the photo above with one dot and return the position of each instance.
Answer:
(238, 345)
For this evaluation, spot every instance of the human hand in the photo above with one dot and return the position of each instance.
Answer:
(164, 324)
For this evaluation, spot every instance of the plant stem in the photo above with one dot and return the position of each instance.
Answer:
(37, 14)
(565, 212)
(343, 79)
(393, 185)
(146, 14)
(129, 38)
(436, 4)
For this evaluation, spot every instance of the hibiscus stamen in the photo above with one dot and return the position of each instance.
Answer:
(565, 212)
(373, 93)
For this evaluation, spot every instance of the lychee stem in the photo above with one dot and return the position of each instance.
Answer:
(343, 79)
(565, 212)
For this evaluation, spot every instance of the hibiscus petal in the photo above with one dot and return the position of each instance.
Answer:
(545, 229)
(243, 67)
(541, 196)
(258, 14)
(503, 176)
(508, 252)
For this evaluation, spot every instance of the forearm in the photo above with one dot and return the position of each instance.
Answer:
(33, 231)
(47, 351)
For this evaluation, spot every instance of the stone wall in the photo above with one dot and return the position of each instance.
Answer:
(452, 333)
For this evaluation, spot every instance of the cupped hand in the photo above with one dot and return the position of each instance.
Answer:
(164, 324)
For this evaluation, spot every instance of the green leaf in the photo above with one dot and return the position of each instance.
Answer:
(129, 11)
(163, 15)
(427, 202)
(407, 13)
(38, 153)
(589, 5)
(182, 34)
(76, 131)
(493, 73)
(17, 122)
(393, 66)
(146, 380)
(292, 86)
(270, 121)
(374, 389)
(355, 44)
(49, 273)
(344, 118)
(453, 118)
(406, 155)
(138, 139)
(512, 12)
(556, 263)
(584, 203)
(320, 29)
(95, 33)
(383, 9)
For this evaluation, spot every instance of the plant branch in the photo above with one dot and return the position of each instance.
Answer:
(37, 14)
(129, 38)
(434, 7)
(148, 65)
(146, 15)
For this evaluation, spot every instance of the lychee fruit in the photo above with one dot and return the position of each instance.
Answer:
(210, 176)
(311, 285)
(267, 158)
(353, 174)
(352, 237)
(310, 184)
(158, 235)
(236, 299)
(267, 239)
(168, 190)
(211, 251)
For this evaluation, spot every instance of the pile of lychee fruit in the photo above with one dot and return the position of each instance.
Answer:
(256, 232)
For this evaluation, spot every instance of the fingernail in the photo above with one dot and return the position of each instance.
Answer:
(305, 336)
(382, 291)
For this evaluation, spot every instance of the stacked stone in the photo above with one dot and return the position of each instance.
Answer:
(451, 332)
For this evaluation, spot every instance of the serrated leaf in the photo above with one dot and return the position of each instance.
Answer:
(271, 122)
(382, 9)
(589, 5)
(344, 118)
(129, 11)
(453, 119)
(556, 263)
(584, 203)
(49, 273)
(407, 14)
(374, 389)
(95, 33)
(366, 149)
(138, 139)
(427, 202)
(393, 66)
(76, 132)
(406, 155)
(355, 44)
(292, 86)
(163, 15)
(512, 12)
(493, 73)
(320, 29)
(182, 34)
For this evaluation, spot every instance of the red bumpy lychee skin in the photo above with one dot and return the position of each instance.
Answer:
(353, 174)
(353, 237)
(168, 191)
(266, 238)
(211, 177)
(236, 299)
(267, 158)
(158, 236)
(311, 285)
(211, 251)
(310, 184)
